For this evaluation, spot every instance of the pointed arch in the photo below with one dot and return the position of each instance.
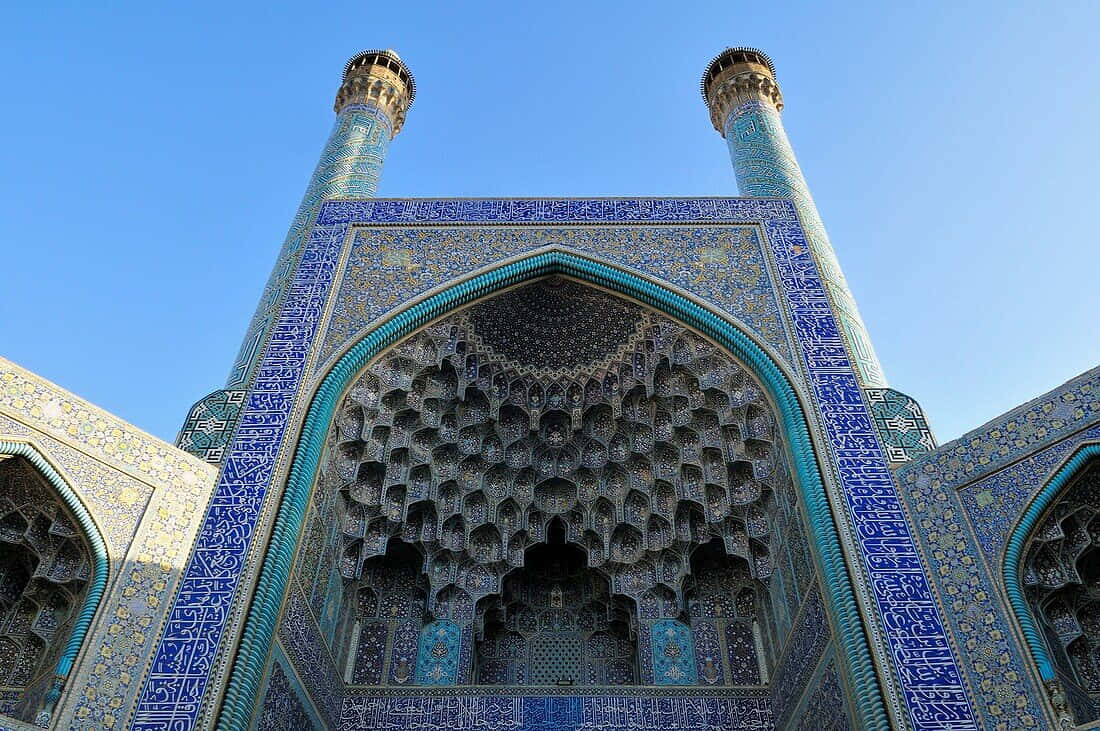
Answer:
(1012, 565)
(97, 582)
(260, 624)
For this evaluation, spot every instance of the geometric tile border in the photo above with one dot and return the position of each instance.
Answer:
(556, 713)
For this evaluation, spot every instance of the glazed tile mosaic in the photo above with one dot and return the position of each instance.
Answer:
(901, 425)
(721, 264)
(867, 481)
(550, 713)
(187, 647)
(765, 166)
(550, 464)
(209, 425)
(825, 709)
(282, 711)
(350, 165)
(145, 495)
(989, 476)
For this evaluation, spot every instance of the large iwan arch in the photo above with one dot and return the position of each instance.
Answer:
(260, 627)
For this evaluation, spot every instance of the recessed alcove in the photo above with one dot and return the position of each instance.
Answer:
(1061, 579)
(619, 517)
(556, 622)
(45, 568)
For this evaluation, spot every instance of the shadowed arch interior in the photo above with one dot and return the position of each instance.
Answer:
(1051, 576)
(558, 404)
(792, 423)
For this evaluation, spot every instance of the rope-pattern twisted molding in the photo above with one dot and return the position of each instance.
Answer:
(1012, 568)
(242, 693)
(98, 581)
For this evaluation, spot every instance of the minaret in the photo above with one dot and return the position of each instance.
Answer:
(374, 96)
(744, 100)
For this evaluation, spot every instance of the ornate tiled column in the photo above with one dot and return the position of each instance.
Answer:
(374, 96)
(739, 88)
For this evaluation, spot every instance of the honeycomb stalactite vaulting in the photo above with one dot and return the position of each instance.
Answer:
(1061, 578)
(45, 566)
(556, 406)
(556, 621)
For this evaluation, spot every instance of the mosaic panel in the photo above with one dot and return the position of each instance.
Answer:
(808, 641)
(124, 476)
(307, 653)
(741, 654)
(556, 713)
(645, 655)
(1047, 430)
(113, 465)
(1060, 570)
(437, 660)
(724, 265)
(9, 699)
(994, 503)
(709, 668)
(826, 708)
(977, 617)
(673, 653)
(45, 567)
(1045, 420)
(209, 425)
(350, 166)
(370, 654)
(10, 724)
(901, 425)
(282, 709)
(765, 166)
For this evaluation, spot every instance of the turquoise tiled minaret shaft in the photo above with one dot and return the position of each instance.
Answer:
(740, 90)
(375, 94)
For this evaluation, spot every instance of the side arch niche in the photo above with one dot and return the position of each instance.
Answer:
(53, 567)
(1058, 589)
(572, 477)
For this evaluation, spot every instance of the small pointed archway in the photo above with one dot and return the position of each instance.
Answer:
(53, 572)
(556, 622)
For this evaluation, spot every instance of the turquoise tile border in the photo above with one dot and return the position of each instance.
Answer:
(1014, 551)
(98, 581)
(259, 629)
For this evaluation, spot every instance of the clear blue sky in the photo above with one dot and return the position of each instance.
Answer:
(153, 156)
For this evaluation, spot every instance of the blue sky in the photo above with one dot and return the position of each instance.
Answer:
(153, 157)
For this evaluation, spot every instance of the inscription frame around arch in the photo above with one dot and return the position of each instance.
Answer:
(242, 693)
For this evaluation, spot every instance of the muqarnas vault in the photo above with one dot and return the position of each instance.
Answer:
(551, 464)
